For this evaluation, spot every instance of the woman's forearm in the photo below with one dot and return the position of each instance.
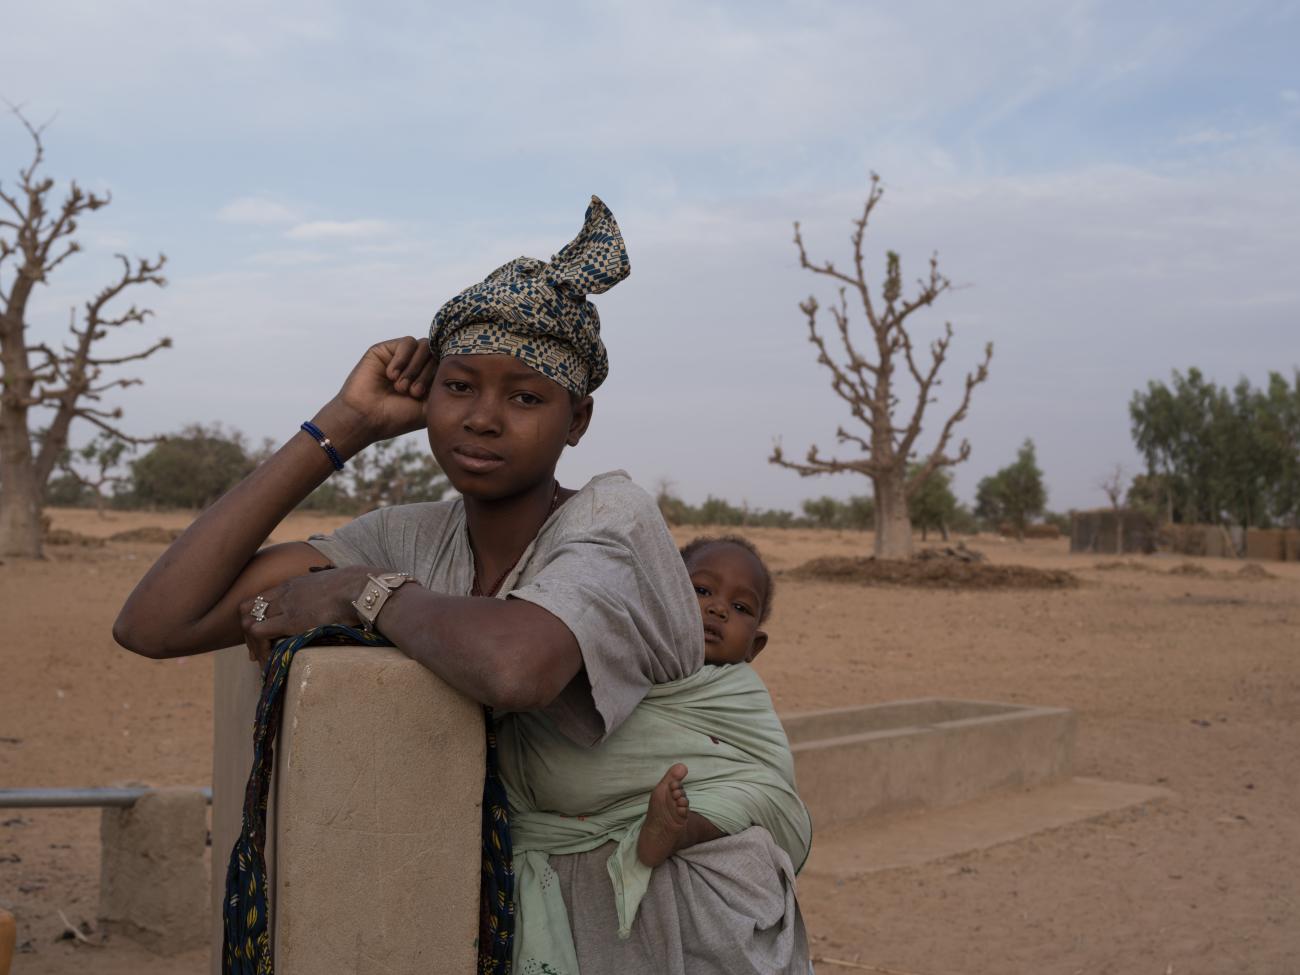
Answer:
(188, 600)
(509, 654)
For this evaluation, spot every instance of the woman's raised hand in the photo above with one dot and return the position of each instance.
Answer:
(386, 390)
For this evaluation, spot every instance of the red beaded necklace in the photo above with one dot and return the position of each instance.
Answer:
(477, 590)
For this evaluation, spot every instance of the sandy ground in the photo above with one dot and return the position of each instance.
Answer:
(1187, 681)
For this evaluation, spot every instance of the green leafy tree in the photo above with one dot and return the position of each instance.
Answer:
(772, 518)
(823, 512)
(1222, 455)
(66, 491)
(964, 521)
(1014, 494)
(858, 512)
(398, 471)
(717, 511)
(1150, 493)
(1171, 428)
(191, 469)
(1280, 430)
(674, 509)
(933, 506)
(395, 471)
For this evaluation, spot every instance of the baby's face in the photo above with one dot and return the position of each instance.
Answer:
(729, 584)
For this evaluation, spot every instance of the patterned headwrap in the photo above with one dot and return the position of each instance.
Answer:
(538, 312)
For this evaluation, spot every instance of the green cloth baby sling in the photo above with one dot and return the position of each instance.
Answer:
(246, 946)
(565, 798)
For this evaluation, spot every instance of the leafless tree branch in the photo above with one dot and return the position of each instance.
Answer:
(36, 238)
(869, 384)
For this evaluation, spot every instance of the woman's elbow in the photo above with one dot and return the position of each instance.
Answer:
(131, 635)
(507, 692)
(125, 635)
(521, 689)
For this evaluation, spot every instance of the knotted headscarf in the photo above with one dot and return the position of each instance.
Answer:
(538, 312)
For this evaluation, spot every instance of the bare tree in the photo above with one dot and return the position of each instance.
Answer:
(869, 385)
(1112, 485)
(35, 238)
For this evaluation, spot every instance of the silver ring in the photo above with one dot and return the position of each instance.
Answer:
(260, 606)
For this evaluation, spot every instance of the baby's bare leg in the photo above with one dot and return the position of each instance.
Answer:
(665, 818)
(669, 823)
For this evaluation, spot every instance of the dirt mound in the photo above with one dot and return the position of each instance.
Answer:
(62, 536)
(1253, 570)
(147, 533)
(1128, 566)
(933, 573)
(1248, 572)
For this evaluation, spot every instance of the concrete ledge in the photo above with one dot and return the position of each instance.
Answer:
(909, 840)
(929, 753)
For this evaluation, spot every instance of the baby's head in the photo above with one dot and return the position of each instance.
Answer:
(735, 592)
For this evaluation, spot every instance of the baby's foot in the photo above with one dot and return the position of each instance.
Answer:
(665, 818)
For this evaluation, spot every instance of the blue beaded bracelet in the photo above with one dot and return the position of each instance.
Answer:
(324, 441)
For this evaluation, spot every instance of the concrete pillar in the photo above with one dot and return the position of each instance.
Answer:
(153, 879)
(377, 792)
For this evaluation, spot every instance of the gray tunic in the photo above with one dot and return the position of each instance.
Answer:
(605, 565)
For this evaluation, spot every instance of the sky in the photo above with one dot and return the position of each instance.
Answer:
(1113, 188)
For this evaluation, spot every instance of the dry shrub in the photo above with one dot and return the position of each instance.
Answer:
(1189, 569)
(958, 553)
(151, 534)
(932, 574)
(1128, 566)
(62, 536)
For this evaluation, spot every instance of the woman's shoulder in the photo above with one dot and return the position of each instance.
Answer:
(611, 505)
(614, 490)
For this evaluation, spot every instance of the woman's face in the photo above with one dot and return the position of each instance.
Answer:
(497, 427)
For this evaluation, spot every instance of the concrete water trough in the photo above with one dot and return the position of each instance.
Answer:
(931, 753)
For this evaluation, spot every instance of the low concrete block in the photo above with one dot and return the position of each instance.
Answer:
(908, 840)
(852, 763)
(153, 879)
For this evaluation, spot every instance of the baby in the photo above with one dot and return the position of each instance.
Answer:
(735, 591)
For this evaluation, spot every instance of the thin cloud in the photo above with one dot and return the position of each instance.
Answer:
(1207, 137)
(256, 210)
(333, 230)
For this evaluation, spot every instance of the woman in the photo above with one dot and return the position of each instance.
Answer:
(599, 609)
